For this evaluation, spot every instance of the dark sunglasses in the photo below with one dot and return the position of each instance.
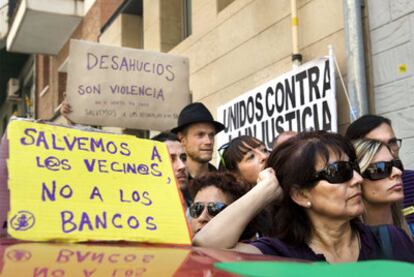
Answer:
(381, 170)
(337, 172)
(213, 208)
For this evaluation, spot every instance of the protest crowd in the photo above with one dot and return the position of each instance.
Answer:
(200, 138)
(317, 196)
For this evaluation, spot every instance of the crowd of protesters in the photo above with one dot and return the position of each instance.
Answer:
(319, 196)
(316, 196)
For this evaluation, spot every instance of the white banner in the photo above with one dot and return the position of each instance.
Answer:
(125, 87)
(302, 99)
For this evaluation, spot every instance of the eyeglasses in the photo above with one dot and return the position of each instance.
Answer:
(224, 146)
(337, 172)
(381, 170)
(213, 208)
(221, 151)
(394, 143)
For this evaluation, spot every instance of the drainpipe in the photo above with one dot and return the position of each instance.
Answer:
(354, 44)
(296, 56)
(36, 94)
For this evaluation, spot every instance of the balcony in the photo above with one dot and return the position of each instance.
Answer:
(43, 26)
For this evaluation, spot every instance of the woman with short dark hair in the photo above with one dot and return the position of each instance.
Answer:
(244, 156)
(212, 193)
(318, 214)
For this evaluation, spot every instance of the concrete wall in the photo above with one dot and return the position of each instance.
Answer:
(162, 24)
(249, 42)
(238, 45)
(152, 25)
(391, 30)
(126, 31)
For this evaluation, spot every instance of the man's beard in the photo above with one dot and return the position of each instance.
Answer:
(198, 158)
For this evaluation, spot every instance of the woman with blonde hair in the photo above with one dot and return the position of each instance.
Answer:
(382, 188)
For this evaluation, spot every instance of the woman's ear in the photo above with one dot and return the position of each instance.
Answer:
(301, 197)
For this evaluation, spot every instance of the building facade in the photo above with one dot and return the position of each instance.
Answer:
(236, 45)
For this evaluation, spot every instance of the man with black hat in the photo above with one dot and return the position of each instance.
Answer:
(196, 130)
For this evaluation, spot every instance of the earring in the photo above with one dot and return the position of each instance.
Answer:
(308, 204)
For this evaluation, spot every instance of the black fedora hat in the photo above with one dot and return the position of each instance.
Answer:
(196, 113)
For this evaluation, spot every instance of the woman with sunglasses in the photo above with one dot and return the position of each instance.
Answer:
(382, 189)
(244, 156)
(318, 215)
(212, 193)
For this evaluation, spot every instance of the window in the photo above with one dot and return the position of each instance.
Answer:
(125, 26)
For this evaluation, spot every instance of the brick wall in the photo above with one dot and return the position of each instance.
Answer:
(88, 29)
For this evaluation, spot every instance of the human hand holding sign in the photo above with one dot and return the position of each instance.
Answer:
(66, 109)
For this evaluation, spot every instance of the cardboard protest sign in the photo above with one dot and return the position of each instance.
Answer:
(302, 99)
(72, 185)
(36, 259)
(125, 87)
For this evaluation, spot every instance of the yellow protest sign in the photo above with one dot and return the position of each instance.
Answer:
(47, 259)
(74, 185)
